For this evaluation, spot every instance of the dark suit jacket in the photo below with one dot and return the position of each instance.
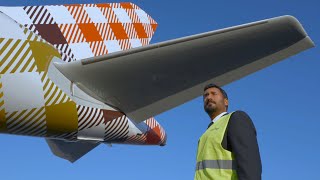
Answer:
(240, 138)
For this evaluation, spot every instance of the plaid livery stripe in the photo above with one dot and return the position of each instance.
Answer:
(31, 36)
(52, 94)
(89, 117)
(151, 123)
(116, 129)
(155, 134)
(133, 15)
(27, 122)
(105, 30)
(125, 44)
(130, 30)
(137, 139)
(1, 98)
(163, 135)
(98, 48)
(79, 13)
(15, 56)
(145, 41)
(65, 52)
(72, 33)
(39, 14)
(158, 135)
(31, 28)
(109, 14)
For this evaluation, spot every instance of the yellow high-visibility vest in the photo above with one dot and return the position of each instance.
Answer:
(213, 161)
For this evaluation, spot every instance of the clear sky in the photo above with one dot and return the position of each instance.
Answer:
(282, 100)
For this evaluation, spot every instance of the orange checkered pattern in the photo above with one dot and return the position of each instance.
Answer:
(85, 30)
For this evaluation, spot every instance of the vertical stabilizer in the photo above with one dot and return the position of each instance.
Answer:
(81, 31)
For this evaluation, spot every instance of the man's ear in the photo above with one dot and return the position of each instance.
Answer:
(226, 102)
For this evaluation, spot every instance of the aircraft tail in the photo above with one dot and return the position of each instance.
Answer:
(35, 36)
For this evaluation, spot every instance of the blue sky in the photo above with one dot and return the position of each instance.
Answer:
(282, 101)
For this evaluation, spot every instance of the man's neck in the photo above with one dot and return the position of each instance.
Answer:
(216, 118)
(215, 114)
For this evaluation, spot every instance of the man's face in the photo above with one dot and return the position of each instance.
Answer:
(214, 101)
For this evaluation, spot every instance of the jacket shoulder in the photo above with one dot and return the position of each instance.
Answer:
(240, 119)
(239, 113)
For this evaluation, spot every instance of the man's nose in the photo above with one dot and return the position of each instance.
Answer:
(208, 98)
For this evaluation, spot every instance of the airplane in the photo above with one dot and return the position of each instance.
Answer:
(81, 75)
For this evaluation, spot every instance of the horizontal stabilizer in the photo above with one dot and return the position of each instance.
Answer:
(149, 80)
(71, 151)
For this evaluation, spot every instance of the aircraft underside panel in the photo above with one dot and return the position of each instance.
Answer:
(70, 151)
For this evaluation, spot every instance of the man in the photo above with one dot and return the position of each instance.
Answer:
(228, 149)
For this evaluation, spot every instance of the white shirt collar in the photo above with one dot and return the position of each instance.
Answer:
(218, 117)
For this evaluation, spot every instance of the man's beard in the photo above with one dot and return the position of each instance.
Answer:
(209, 109)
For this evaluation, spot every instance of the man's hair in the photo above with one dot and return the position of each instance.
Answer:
(218, 87)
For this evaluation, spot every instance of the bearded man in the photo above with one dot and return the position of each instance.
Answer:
(229, 148)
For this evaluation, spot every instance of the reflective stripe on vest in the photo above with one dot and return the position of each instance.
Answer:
(216, 164)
